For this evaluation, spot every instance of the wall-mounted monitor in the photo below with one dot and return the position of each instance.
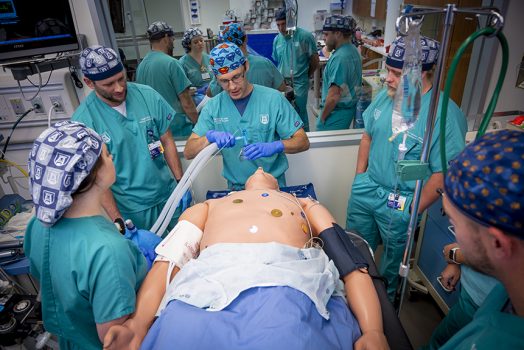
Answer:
(30, 28)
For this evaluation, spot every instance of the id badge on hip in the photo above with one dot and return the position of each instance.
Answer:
(396, 201)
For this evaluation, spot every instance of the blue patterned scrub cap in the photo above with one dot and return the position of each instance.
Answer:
(188, 36)
(225, 58)
(280, 14)
(99, 62)
(486, 181)
(233, 33)
(338, 23)
(429, 49)
(158, 29)
(61, 158)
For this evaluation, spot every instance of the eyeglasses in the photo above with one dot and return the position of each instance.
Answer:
(235, 80)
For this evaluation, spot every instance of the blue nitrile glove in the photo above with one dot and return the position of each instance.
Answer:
(185, 202)
(145, 240)
(263, 149)
(221, 138)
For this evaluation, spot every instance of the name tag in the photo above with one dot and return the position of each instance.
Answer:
(155, 149)
(396, 201)
(206, 76)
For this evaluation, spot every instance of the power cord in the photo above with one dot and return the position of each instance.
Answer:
(35, 106)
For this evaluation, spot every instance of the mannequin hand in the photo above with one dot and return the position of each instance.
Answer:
(263, 149)
(375, 340)
(221, 138)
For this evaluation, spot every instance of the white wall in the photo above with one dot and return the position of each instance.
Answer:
(510, 98)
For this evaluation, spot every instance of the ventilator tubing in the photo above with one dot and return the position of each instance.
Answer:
(181, 244)
(183, 185)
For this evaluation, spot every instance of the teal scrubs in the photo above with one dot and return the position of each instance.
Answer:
(142, 183)
(88, 274)
(198, 74)
(367, 212)
(492, 326)
(261, 72)
(301, 48)
(268, 117)
(475, 288)
(166, 75)
(343, 69)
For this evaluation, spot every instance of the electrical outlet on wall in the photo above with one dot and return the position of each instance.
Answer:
(58, 103)
(18, 105)
(38, 101)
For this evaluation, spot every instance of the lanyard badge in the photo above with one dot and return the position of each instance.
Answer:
(155, 147)
(396, 201)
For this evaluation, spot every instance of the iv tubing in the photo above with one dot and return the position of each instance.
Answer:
(449, 83)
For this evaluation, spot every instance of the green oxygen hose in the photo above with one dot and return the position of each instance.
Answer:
(449, 83)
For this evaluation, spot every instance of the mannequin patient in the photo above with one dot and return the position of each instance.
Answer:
(247, 271)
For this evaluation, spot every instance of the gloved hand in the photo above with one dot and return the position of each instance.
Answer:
(221, 138)
(263, 149)
(186, 200)
(146, 241)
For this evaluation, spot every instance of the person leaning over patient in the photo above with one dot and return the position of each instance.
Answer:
(260, 214)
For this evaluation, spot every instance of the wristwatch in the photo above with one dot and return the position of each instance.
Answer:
(120, 225)
(453, 255)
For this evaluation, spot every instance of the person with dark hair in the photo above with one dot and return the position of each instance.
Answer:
(296, 56)
(484, 199)
(164, 73)
(342, 77)
(261, 70)
(134, 123)
(88, 272)
(196, 62)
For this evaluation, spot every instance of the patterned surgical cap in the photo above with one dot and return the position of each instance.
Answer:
(339, 23)
(486, 181)
(225, 58)
(429, 49)
(233, 33)
(61, 158)
(158, 29)
(188, 36)
(99, 62)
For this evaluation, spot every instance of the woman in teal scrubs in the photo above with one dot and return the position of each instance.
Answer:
(195, 62)
(88, 272)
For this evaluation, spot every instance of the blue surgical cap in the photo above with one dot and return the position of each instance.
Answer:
(233, 33)
(61, 158)
(99, 62)
(225, 58)
(345, 24)
(158, 29)
(188, 36)
(429, 49)
(486, 181)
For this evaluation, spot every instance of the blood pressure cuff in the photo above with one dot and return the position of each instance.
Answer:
(339, 248)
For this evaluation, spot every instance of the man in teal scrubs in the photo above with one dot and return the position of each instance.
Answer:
(261, 70)
(342, 77)
(160, 70)
(297, 53)
(484, 198)
(133, 121)
(379, 206)
(253, 125)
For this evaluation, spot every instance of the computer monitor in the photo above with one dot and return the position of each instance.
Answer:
(30, 28)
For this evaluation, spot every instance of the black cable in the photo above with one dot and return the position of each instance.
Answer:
(13, 129)
(48, 78)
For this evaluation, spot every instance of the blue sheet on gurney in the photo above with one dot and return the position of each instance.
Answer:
(263, 296)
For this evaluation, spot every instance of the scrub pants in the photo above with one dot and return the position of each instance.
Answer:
(301, 93)
(369, 216)
(146, 219)
(337, 120)
(458, 316)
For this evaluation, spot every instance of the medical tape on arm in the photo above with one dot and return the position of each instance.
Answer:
(180, 245)
(339, 248)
